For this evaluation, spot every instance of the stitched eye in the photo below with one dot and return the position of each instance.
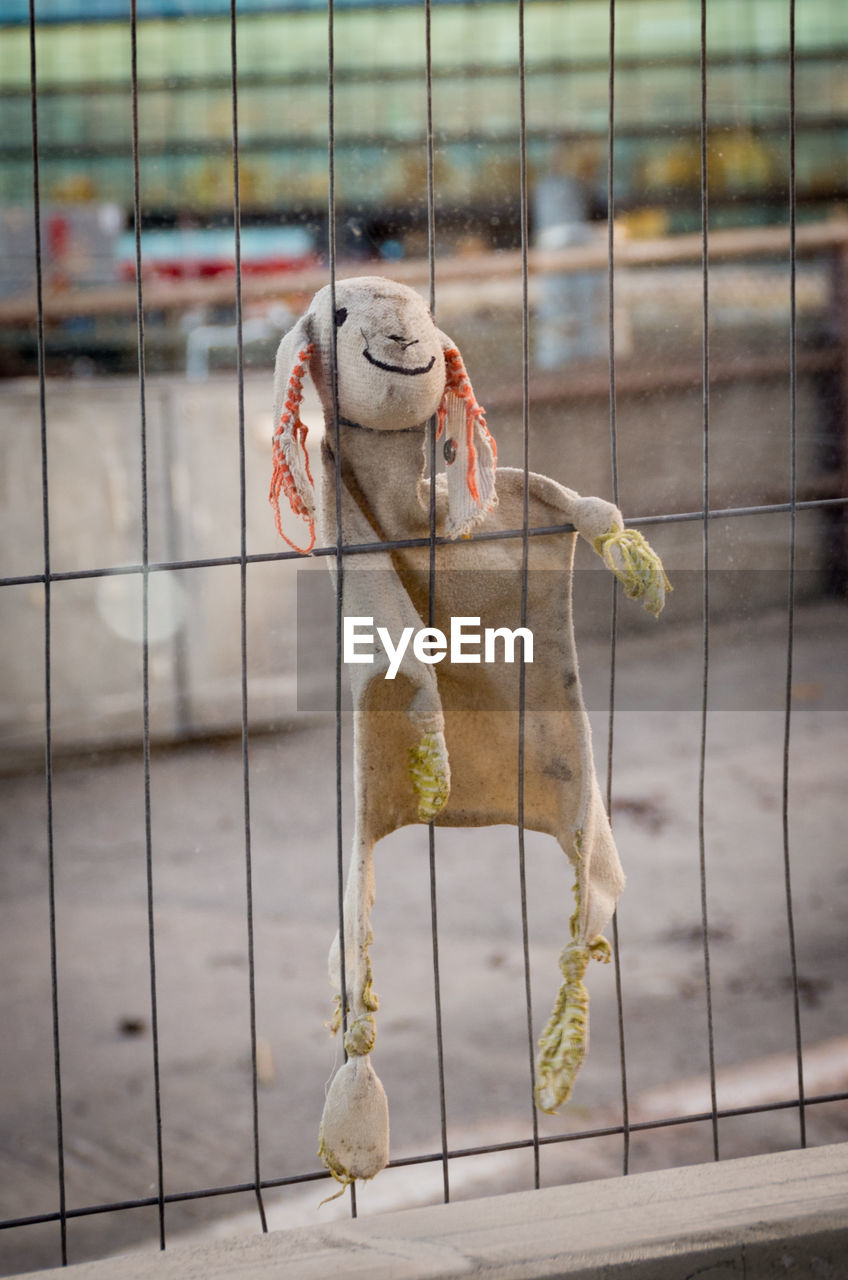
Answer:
(341, 316)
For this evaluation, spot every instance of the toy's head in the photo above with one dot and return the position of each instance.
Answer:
(395, 371)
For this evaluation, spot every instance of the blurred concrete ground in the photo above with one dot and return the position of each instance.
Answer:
(202, 975)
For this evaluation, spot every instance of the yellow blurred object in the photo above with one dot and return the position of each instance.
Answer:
(738, 160)
(675, 166)
(78, 188)
(645, 224)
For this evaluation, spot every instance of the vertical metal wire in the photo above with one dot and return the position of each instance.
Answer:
(525, 556)
(616, 952)
(174, 551)
(705, 567)
(437, 986)
(431, 166)
(431, 608)
(145, 610)
(48, 644)
(334, 389)
(790, 611)
(611, 256)
(245, 759)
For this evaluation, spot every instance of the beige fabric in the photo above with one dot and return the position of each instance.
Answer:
(354, 1137)
(454, 724)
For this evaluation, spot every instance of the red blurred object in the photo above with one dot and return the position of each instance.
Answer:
(196, 254)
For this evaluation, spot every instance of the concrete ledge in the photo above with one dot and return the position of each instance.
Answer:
(777, 1215)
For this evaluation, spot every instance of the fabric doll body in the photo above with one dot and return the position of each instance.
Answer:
(479, 701)
(441, 741)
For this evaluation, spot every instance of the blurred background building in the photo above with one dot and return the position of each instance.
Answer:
(185, 111)
(185, 122)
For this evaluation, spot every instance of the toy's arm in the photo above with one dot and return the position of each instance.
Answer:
(625, 551)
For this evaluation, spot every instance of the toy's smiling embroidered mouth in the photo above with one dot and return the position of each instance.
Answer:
(399, 368)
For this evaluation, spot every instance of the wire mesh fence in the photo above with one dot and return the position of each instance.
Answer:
(176, 911)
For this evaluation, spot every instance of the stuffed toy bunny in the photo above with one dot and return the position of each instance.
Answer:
(436, 739)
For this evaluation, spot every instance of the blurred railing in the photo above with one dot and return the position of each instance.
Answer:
(178, 295)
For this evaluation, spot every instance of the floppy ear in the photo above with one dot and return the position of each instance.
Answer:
(291, 475)
(469, 450)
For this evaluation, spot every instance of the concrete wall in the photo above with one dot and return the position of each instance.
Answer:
(760, 1217)
(95, 521)
(94, 453)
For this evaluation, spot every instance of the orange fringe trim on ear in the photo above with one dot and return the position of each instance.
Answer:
(282, 480)
(458, 383)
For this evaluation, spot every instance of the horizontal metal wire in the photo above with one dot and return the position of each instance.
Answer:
(433, 1157)
(403, 544)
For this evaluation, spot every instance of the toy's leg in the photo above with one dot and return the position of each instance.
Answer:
(563, 1044)
(354, 1137)
(361, 1002)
